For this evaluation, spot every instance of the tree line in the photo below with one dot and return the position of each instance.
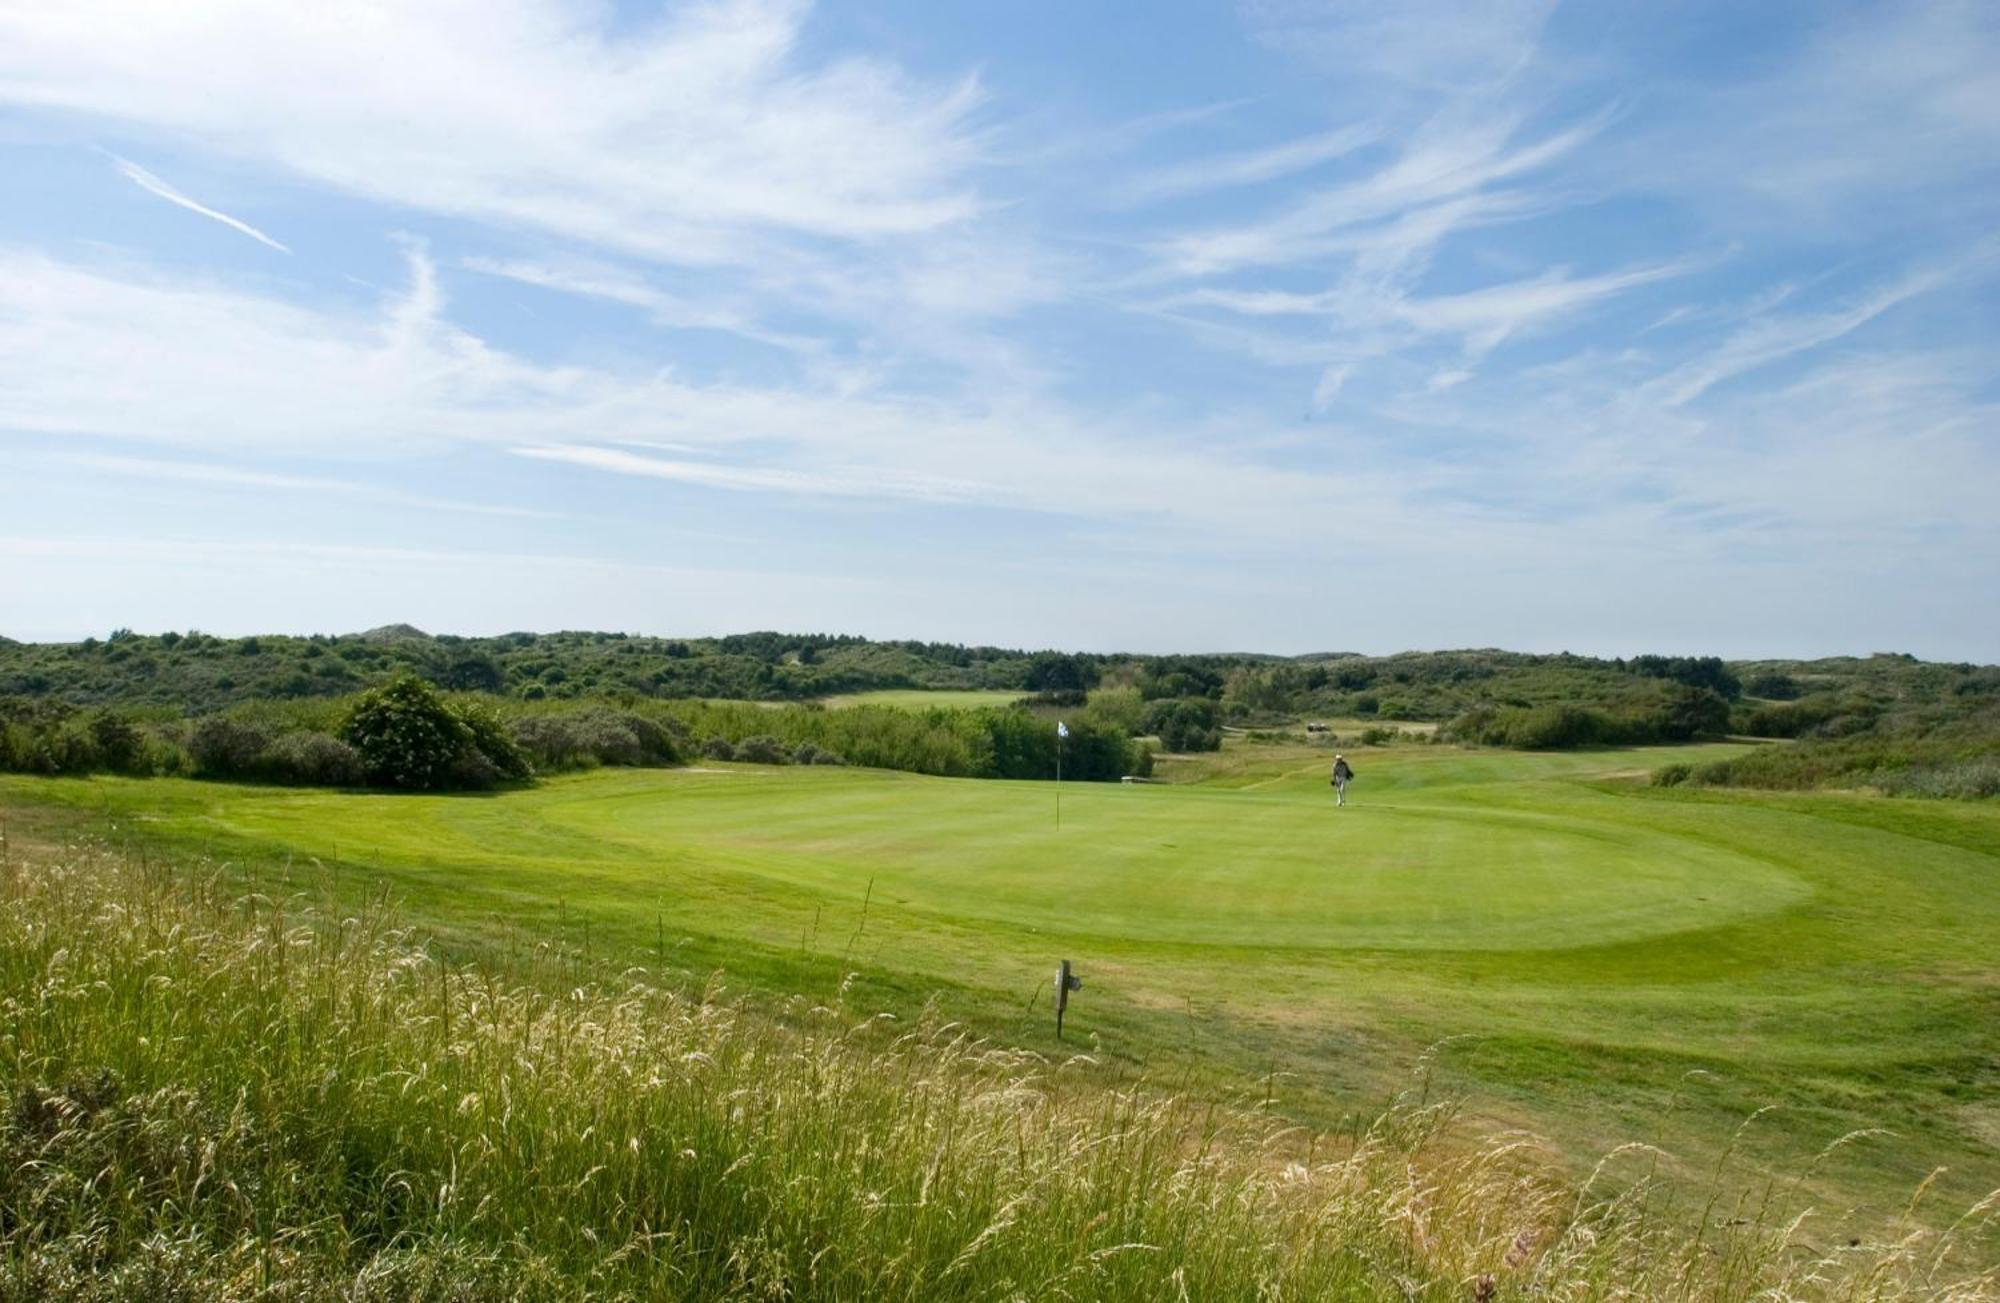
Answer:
(408, 734)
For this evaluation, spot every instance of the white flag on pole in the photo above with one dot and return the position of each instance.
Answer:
(1062, 729)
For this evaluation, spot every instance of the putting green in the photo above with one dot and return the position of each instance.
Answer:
(1273, 866)
(1181, 866)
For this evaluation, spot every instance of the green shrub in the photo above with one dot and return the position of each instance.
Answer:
(1790, 719)
(761, 749)
(409, 737)
(121, 747)
(1716, 773)
(1965, 780)
(1671, 775)
(493, 742)
(1185, 724)
(1119, 709)
(595, 735)
(223, 747)
(1686, 714)
(1772, 685)
(718, 748)
(312, 759)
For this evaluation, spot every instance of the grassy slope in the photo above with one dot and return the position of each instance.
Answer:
(1595, 941)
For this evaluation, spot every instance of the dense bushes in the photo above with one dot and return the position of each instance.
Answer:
(1120, 710)
(1055, 672)
(407, 735)
(1185, 724)
(1962, 780)
(1795, 718)
(1772, 685)
(1709, 672)
(1962, 762)
(595, 735)
(49, 738)
(224, 747)
(198, 674)
(311, 759)
(762, 749)
(994, 743)
(202, 673)
(1681, 714)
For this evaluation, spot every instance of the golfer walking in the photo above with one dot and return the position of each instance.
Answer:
(1342, 772)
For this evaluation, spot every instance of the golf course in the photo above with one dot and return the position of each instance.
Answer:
(1739, 978)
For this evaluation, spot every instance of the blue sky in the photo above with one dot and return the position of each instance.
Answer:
(1280, 325)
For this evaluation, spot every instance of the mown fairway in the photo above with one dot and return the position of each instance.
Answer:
(1622, 963)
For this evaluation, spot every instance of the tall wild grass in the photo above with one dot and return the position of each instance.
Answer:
(214, 1095)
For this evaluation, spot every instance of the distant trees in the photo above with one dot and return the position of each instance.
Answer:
(1710, 672)
(1678, 715)
(473, 671)
(193, 703)
(1772, 685)
(1692, 712)
(1122, 710)
(1185, 724)
(1055, 672)
(1180, 676)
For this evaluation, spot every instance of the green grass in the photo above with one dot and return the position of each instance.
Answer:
(1605, 962)
(925, 698)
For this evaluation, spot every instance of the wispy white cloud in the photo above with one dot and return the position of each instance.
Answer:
(1248, 167)
(188, 472)
(133, 354)
(1420, 47)
(1484, 318)
(1446, 178)
(1771, 338)
(592, 279)
(146, 181)
(836, 482)
(597, 280)
(698, 137)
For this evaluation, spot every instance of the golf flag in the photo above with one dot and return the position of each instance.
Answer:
(1062, 729)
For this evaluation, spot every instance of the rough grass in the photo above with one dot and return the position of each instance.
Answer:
(209, 1096)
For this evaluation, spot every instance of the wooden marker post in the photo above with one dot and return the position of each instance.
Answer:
(1066, 981)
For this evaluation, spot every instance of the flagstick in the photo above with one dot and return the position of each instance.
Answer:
(1059, 742)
